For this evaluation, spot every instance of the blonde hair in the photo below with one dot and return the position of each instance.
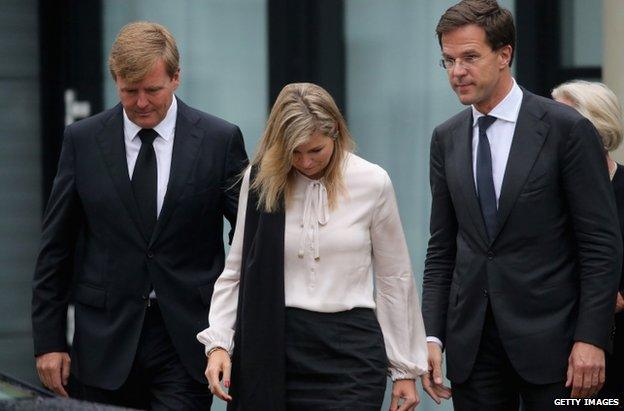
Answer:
(138, 47)
(598, 104)
(301, 109)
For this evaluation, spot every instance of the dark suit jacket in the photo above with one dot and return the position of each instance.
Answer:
(552, 269)
(94, 251)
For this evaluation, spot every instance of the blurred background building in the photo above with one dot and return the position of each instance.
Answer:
(377, 58)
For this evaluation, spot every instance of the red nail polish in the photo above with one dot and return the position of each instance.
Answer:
(227, 384)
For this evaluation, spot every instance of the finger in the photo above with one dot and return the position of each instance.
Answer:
(569, 375)
(595, 382)
(227, 371)
(437, 373)
(577, 383)
(66, 366)
(394, 403)
(601, 377)
(409, 403)
(56, 382)
(215, 384)
(443, 392)
(426, 383)
(416, 401)
(213, 377)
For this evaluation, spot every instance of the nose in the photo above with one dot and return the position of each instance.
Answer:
(306, 162)
(142, 100)
(458, 69)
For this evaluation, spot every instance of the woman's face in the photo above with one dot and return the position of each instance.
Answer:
(312, 157)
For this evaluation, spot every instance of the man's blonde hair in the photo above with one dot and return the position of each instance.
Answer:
(138, 47)
(598, 104)
(301, 109)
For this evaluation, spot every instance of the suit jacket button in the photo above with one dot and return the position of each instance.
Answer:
(485, 292)
(490, 255)
(150, 255)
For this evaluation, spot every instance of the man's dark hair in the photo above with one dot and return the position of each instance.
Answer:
(496, 21)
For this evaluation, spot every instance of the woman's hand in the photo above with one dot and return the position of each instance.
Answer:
(404, 390)
(219, 365)
(619, 303)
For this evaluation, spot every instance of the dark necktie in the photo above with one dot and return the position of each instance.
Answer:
(145, 180)
(485, 180)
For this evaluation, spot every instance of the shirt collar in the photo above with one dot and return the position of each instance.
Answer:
(507, 109)
(164, 129)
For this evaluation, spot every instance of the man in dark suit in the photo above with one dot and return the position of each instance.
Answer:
(523, 260)
(133, 235)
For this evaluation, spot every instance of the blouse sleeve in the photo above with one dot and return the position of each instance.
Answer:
(398, 305)
(222, 316)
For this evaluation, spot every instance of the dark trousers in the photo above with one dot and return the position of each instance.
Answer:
(495, 385)
(157, 380)
(614, 384)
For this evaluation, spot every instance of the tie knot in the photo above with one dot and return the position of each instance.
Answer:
(485, 122)
(147, 135)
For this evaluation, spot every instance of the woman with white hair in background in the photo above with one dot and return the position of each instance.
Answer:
(600, 105)
(295, 306)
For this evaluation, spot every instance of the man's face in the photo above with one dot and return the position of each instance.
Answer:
(477, 72)
(146, 102)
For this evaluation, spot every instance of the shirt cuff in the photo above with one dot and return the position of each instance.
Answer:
(435, 340)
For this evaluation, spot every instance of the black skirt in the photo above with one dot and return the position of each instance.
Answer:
(334, 361)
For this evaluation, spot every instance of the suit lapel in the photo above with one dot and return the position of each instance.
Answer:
(111, 141)
(186, 145)
(463, 135)
(528, 139)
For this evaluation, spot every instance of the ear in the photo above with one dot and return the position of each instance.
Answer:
(176, 79)
(504, 56)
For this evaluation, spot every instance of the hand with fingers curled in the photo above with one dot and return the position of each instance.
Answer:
(586, 370)
(218, 370)
(53, 370)
(432, 382)
(619, 303)
(404, 395)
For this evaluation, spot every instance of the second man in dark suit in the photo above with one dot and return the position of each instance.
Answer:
(523, 261)
(133, 234)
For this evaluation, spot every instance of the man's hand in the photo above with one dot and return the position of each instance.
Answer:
(404, 390)
(219, 366)
(432, 381)
(586, 370)
(53, 370)
(619, 303)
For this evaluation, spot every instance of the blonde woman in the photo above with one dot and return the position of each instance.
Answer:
(601, 106)
(295, 322)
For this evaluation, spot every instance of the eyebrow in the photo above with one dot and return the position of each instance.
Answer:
(463, 53)
(311, 149)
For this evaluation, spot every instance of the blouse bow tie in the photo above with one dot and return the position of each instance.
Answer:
(315, 213)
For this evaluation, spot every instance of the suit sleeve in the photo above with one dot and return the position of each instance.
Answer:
(235, 163)
(599, 245)
(440, 258)
(54, 267)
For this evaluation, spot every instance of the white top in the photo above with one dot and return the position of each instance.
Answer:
(329, 260)
(163, 147)
(500, 135)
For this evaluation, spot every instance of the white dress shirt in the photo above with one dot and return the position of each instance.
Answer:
(500, 136)
(330, 256)
(163, 147)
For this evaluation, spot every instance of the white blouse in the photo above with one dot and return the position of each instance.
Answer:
(330, 256)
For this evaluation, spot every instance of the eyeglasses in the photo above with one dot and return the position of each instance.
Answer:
(465, 62)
